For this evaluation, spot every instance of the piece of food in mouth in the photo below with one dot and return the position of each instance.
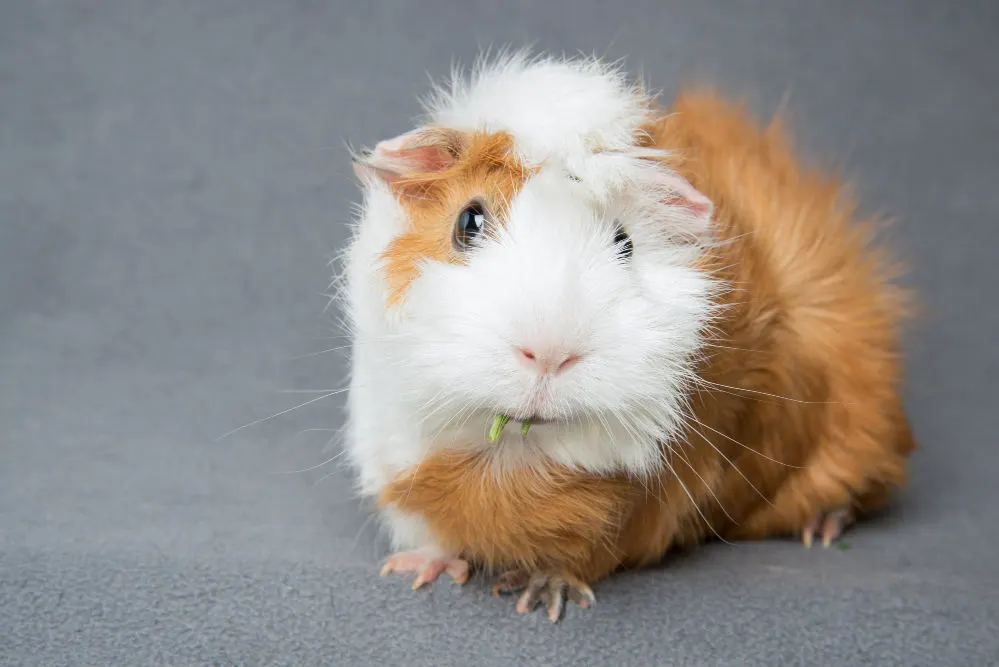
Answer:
(496, 430)
(499, 423)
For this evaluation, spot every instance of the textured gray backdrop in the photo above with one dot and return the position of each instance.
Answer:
(172, 182)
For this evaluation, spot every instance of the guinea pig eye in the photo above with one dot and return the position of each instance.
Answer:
(469, 226)
(623, 242)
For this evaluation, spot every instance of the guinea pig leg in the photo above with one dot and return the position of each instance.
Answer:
(551, 589)
(830, 525)
(428, 564)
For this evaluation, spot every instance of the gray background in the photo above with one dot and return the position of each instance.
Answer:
(172, 182)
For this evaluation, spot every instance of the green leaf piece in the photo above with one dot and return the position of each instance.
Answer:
(496, 430)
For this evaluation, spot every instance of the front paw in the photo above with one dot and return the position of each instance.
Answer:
(427, 564)
(549, 587)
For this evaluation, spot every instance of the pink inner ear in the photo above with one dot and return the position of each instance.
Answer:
(399, 157)
(421, 158)
(685, 195)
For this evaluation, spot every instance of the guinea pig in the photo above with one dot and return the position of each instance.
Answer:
(695, 336)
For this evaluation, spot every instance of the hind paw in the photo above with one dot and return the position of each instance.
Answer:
(551, 589)
(827, 525)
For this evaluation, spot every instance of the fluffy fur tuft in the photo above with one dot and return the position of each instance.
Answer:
(553, 107)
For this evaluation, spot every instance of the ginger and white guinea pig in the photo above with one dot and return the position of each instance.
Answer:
(697, 337)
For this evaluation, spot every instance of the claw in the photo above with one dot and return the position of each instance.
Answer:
(582, 595)
(556, 600)
(808, 533)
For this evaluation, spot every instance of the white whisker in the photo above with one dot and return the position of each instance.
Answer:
(318, 465)
(277, 414)
(707, 486)
(694, 503)
(727, 437)
(734, 467)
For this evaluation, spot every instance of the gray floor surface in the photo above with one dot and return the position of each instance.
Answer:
(173, 179)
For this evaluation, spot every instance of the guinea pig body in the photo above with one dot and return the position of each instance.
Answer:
(701, 337)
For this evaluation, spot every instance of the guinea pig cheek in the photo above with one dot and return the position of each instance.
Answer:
(459, 335)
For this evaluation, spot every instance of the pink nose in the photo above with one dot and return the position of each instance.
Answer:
(547, 363)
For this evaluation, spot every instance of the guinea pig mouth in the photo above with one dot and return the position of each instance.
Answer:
(533, 419)
(501, 420)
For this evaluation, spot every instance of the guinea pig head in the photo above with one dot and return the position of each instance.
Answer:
(564, 292)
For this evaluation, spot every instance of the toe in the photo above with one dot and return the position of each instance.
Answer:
(405, 561)
(427, 565)
(511, 582)
(458, 570)
(834, 524)
(536, 587)
(527, 601)
(581, 594)
(809, 529)
(429, 573)
(556, 598)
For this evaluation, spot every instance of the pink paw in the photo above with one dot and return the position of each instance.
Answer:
(427, 564)
(829, 525)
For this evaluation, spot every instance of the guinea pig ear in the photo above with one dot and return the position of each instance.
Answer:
(677, 191)
(420, 152)
(672, 188)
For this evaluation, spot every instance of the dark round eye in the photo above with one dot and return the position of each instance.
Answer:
(623, 242)
(471, 224)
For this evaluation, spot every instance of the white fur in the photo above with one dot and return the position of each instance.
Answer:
(553, 107)
(433, 371)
